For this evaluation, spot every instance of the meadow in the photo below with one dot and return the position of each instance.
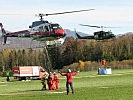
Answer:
(87, 85)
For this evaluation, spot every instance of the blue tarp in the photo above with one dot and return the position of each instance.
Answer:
(102, 71)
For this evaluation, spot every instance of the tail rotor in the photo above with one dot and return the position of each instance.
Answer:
(3, 33)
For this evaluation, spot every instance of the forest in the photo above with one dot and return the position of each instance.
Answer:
(72, 51)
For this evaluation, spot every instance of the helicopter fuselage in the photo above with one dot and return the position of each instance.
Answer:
(46, 29)
(39, 29)
(101, 35)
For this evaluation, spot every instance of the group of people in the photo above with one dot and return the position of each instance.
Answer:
(53, 80)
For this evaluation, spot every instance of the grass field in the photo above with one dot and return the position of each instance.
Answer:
(88, 86)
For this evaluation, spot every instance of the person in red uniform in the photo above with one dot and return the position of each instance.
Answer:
(103, 62)
(50, 81)
(69, 75)
(55, 80)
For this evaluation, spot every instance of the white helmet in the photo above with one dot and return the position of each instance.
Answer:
(69, 70)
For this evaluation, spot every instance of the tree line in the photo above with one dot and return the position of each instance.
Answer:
(73, 50)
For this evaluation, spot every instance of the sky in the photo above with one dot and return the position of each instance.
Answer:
(19, 14)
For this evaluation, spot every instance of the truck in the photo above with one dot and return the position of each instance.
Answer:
(27, 72)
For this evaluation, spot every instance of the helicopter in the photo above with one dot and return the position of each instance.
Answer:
(40, 29)
(99, 35)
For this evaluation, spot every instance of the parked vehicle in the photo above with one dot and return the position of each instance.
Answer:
(27, 72)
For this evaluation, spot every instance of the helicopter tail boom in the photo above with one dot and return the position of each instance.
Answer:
(84, 37)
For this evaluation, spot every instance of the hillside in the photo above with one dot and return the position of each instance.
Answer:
(72, 33)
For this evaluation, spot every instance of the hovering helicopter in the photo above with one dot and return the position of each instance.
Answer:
(100, 35)
(40, 29)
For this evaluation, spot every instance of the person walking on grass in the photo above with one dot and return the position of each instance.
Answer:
(69, 75)
(7, 76)
(43, 80)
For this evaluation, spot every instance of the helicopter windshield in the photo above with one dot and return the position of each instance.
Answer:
(56, 26)
(37, 23)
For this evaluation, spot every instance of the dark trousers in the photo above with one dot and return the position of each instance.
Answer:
(67, 87)
(43, 86)
(7, 78)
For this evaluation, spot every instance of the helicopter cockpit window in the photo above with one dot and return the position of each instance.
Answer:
(96, 36)
(56, 26)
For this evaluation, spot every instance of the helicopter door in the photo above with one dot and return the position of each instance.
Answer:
(46, 28)
(40, 29)
(96, 36)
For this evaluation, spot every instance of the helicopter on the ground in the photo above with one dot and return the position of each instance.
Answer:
(40, 29)
(99, 35)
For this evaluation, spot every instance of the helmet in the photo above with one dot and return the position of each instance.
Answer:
(69, 70)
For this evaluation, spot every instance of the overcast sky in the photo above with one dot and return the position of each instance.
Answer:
(19, 14)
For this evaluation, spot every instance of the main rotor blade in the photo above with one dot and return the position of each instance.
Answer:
(66, 12)
(110, 27)
(97, 26)
(90, 25)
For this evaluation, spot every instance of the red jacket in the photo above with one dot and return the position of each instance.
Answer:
(69, 75)
(56, 78)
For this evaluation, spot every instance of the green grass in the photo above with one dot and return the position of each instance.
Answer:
(88, 86)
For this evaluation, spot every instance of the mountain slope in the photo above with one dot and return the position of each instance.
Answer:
(72, 33)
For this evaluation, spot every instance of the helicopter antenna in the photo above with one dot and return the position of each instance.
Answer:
(41, 14)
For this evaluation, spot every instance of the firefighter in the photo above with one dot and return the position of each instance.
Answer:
(55, 80)
(103, 62)
(43, 80)
(69, 75)
(50, 81)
